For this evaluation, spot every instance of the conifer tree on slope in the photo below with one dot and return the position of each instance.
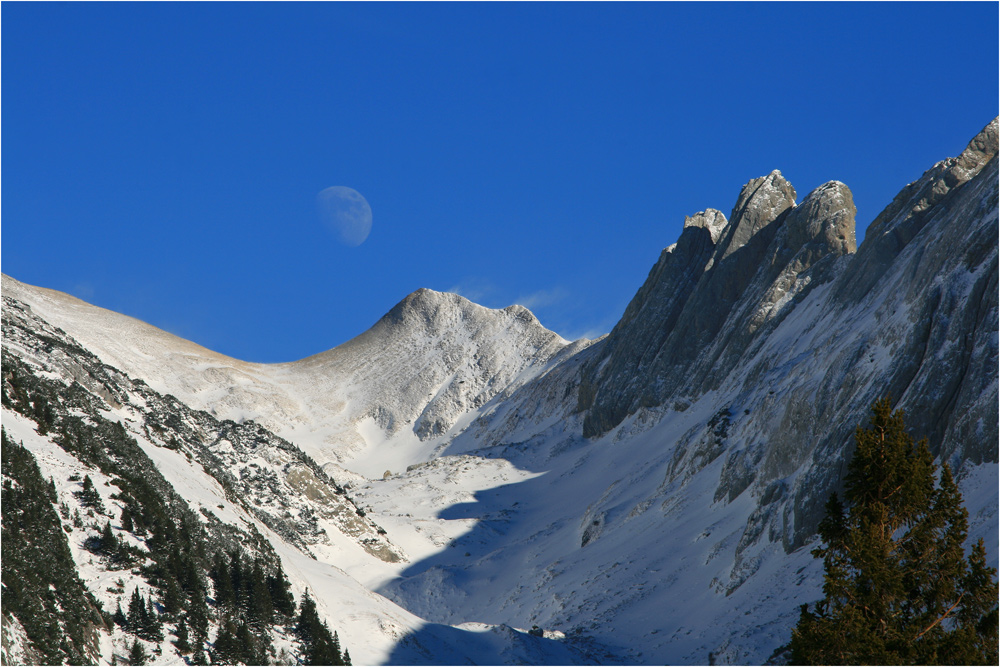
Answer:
(898, 586)
(137, 655)
(320, 646)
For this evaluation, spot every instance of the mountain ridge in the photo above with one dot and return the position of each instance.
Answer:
(384, 375)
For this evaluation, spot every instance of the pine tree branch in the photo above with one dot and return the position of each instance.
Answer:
(943, 616)
(894, 492)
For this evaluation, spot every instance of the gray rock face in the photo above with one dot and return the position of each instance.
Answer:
(911, 210)
(649, 320)
(912, 314)
(721, 409)
(709, 296)
(792, 335)
(924, 332)
(760, 203)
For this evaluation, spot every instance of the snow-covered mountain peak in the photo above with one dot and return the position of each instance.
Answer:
(431, 360)
(426, 302)
(435, 312)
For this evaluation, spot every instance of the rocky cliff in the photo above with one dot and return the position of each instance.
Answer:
(711, 295)
(689, 454)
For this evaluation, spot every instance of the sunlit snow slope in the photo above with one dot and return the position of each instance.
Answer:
(383, 400)
(252, 492)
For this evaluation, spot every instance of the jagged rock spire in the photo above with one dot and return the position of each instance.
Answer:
(709, 294)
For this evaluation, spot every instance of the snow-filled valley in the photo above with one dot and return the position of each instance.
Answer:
(460, 485)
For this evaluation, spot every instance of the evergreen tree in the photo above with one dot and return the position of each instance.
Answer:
(260, 608)
(308, 619)
(190, 577)
(89, 497)
(41, 586)
(109, 543)
(898, 587)
(347, 657)
(237, 578)
(152, 628)
(320, 647)
(226, 649)
(335, 649)
(136, 612)
(43, 414)
(199, 658)
(183, 642)
(323, 652)
(137, 655)
(281, 595)
(171, 598)
(127, 520)
(253, 648)
(119, 617)
(223, 582)
(198, 615)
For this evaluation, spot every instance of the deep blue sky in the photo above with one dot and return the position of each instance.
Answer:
(163, 160)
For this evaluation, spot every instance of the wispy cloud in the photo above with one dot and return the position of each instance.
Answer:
(83, 291)
(559, 308)
(486, 293)
(589, 330)
(542, 298)
(477, 290)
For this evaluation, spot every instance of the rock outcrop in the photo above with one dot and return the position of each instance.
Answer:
(709, 296)
(912, 314)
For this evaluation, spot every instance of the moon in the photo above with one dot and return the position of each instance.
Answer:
(346, 213)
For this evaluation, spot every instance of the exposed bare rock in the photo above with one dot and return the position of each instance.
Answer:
(704, 302)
